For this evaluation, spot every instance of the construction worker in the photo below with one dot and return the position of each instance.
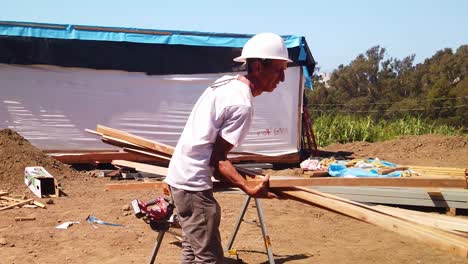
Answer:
(219, 121)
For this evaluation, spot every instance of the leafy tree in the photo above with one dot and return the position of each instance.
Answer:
(391, 88)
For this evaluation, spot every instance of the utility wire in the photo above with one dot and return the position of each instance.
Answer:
(387, 110)
(422, 100)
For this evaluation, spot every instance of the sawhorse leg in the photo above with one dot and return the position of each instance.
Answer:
(157, 245)
(266, 238)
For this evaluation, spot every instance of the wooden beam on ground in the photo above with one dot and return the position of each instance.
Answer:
(102, 157)
(440, 221)
(451, 197)
(141, 167)
(41, 205)
(2, 193)
(435, 237)
(12, 199)
(135, 186)
(24, 218)
(16, 204)
(151, 144)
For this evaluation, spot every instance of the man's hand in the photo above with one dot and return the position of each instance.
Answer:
(224, 169)
(261, 190)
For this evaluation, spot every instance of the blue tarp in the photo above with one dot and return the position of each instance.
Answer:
(130, 49)
(78, 32)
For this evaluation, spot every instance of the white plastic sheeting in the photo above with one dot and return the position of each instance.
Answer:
(51, 106)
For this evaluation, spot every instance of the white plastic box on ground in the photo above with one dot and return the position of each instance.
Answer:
(40, 182)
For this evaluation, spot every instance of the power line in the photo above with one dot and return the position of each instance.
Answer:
(387, 110)
(390, 103)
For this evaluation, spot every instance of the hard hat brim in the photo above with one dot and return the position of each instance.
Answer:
(244, 59)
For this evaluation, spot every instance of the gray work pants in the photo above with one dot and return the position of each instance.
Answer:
(199, 216)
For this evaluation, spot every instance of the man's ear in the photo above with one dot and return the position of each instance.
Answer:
(256, 67)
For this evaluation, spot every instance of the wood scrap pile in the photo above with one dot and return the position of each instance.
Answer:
(7, 202)
(139, 149)
(134, 144)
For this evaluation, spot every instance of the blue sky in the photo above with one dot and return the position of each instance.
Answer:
(336, 30)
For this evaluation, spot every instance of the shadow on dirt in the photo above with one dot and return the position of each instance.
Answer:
(278, 258)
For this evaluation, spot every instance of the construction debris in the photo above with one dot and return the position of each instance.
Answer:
(7, 202)
(24, 218)
(13, 203)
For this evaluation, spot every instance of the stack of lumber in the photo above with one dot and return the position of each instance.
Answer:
(451, 188)
(441, 197)
(134, 144)
(7, 202)
(139, 149)
(439, 172)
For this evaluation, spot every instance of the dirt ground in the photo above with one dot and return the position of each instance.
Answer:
(299, 233)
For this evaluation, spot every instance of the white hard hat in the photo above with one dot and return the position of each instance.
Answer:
(264, 46)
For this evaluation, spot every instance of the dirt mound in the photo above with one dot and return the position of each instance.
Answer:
(425, 150)
(16, 153)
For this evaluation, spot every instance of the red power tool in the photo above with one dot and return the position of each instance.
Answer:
(153, 210)
(158, 212)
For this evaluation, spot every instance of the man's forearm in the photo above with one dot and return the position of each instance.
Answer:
(228, 172)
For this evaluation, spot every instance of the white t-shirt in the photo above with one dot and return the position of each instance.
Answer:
(225, 108)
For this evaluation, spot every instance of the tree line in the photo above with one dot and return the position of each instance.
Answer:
(391, 88)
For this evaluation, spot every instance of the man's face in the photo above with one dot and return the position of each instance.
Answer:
(272, 74)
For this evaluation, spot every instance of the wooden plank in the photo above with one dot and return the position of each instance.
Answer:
(440, 221)
(449, 194)
(151, 144)
(141, 167)
(401, 201)
(16, 204)
(439, 171)
(24, 218)
(435, 168)
(118, 142)
(41, 205)
(94, 132)
(78, 151)
(287, 159)
(102, 157)
(435, 237)
(255, 165)
(135, 186)
(147, 153)
(280, 181)
(451, 211)
(12, 199)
